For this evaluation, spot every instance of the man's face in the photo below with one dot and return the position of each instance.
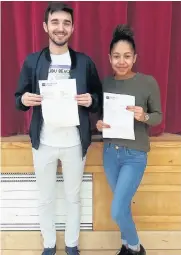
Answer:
(59, 27)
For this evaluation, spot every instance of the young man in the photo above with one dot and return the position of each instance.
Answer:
(69, 144)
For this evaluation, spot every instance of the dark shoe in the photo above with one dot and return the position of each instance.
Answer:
(122, 251)
(49, 251)
(141, 252)
(72, 250)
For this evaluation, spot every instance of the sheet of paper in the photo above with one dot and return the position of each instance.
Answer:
(116, 115)
(59, 107)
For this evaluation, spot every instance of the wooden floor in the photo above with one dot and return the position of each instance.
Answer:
(90, 252)
(91, 242)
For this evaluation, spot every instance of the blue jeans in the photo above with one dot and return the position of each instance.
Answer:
(124, 169)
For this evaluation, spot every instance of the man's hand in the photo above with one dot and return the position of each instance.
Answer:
(100, 125)
(29, 99)
(84, 99)
(139, 113)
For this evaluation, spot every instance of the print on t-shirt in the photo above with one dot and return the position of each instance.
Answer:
(58, 72)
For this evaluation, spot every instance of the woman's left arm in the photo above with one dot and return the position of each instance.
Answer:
(153, 116)
(154, 104)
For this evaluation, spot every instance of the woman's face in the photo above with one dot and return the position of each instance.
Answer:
(122, 58)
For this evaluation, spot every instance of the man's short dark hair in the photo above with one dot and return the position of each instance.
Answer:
(56, 7)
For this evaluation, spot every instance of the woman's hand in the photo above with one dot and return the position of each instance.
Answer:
(139, 113)
(100, 125)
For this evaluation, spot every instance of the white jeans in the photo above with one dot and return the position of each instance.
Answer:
(45, 164)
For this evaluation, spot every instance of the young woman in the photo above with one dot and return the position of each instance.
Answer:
(125, 160)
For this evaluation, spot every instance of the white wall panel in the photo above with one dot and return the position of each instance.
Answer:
(19, 201)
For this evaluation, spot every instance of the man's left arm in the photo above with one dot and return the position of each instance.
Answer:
(95, 88)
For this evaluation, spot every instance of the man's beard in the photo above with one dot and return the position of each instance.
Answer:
(58, 43)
